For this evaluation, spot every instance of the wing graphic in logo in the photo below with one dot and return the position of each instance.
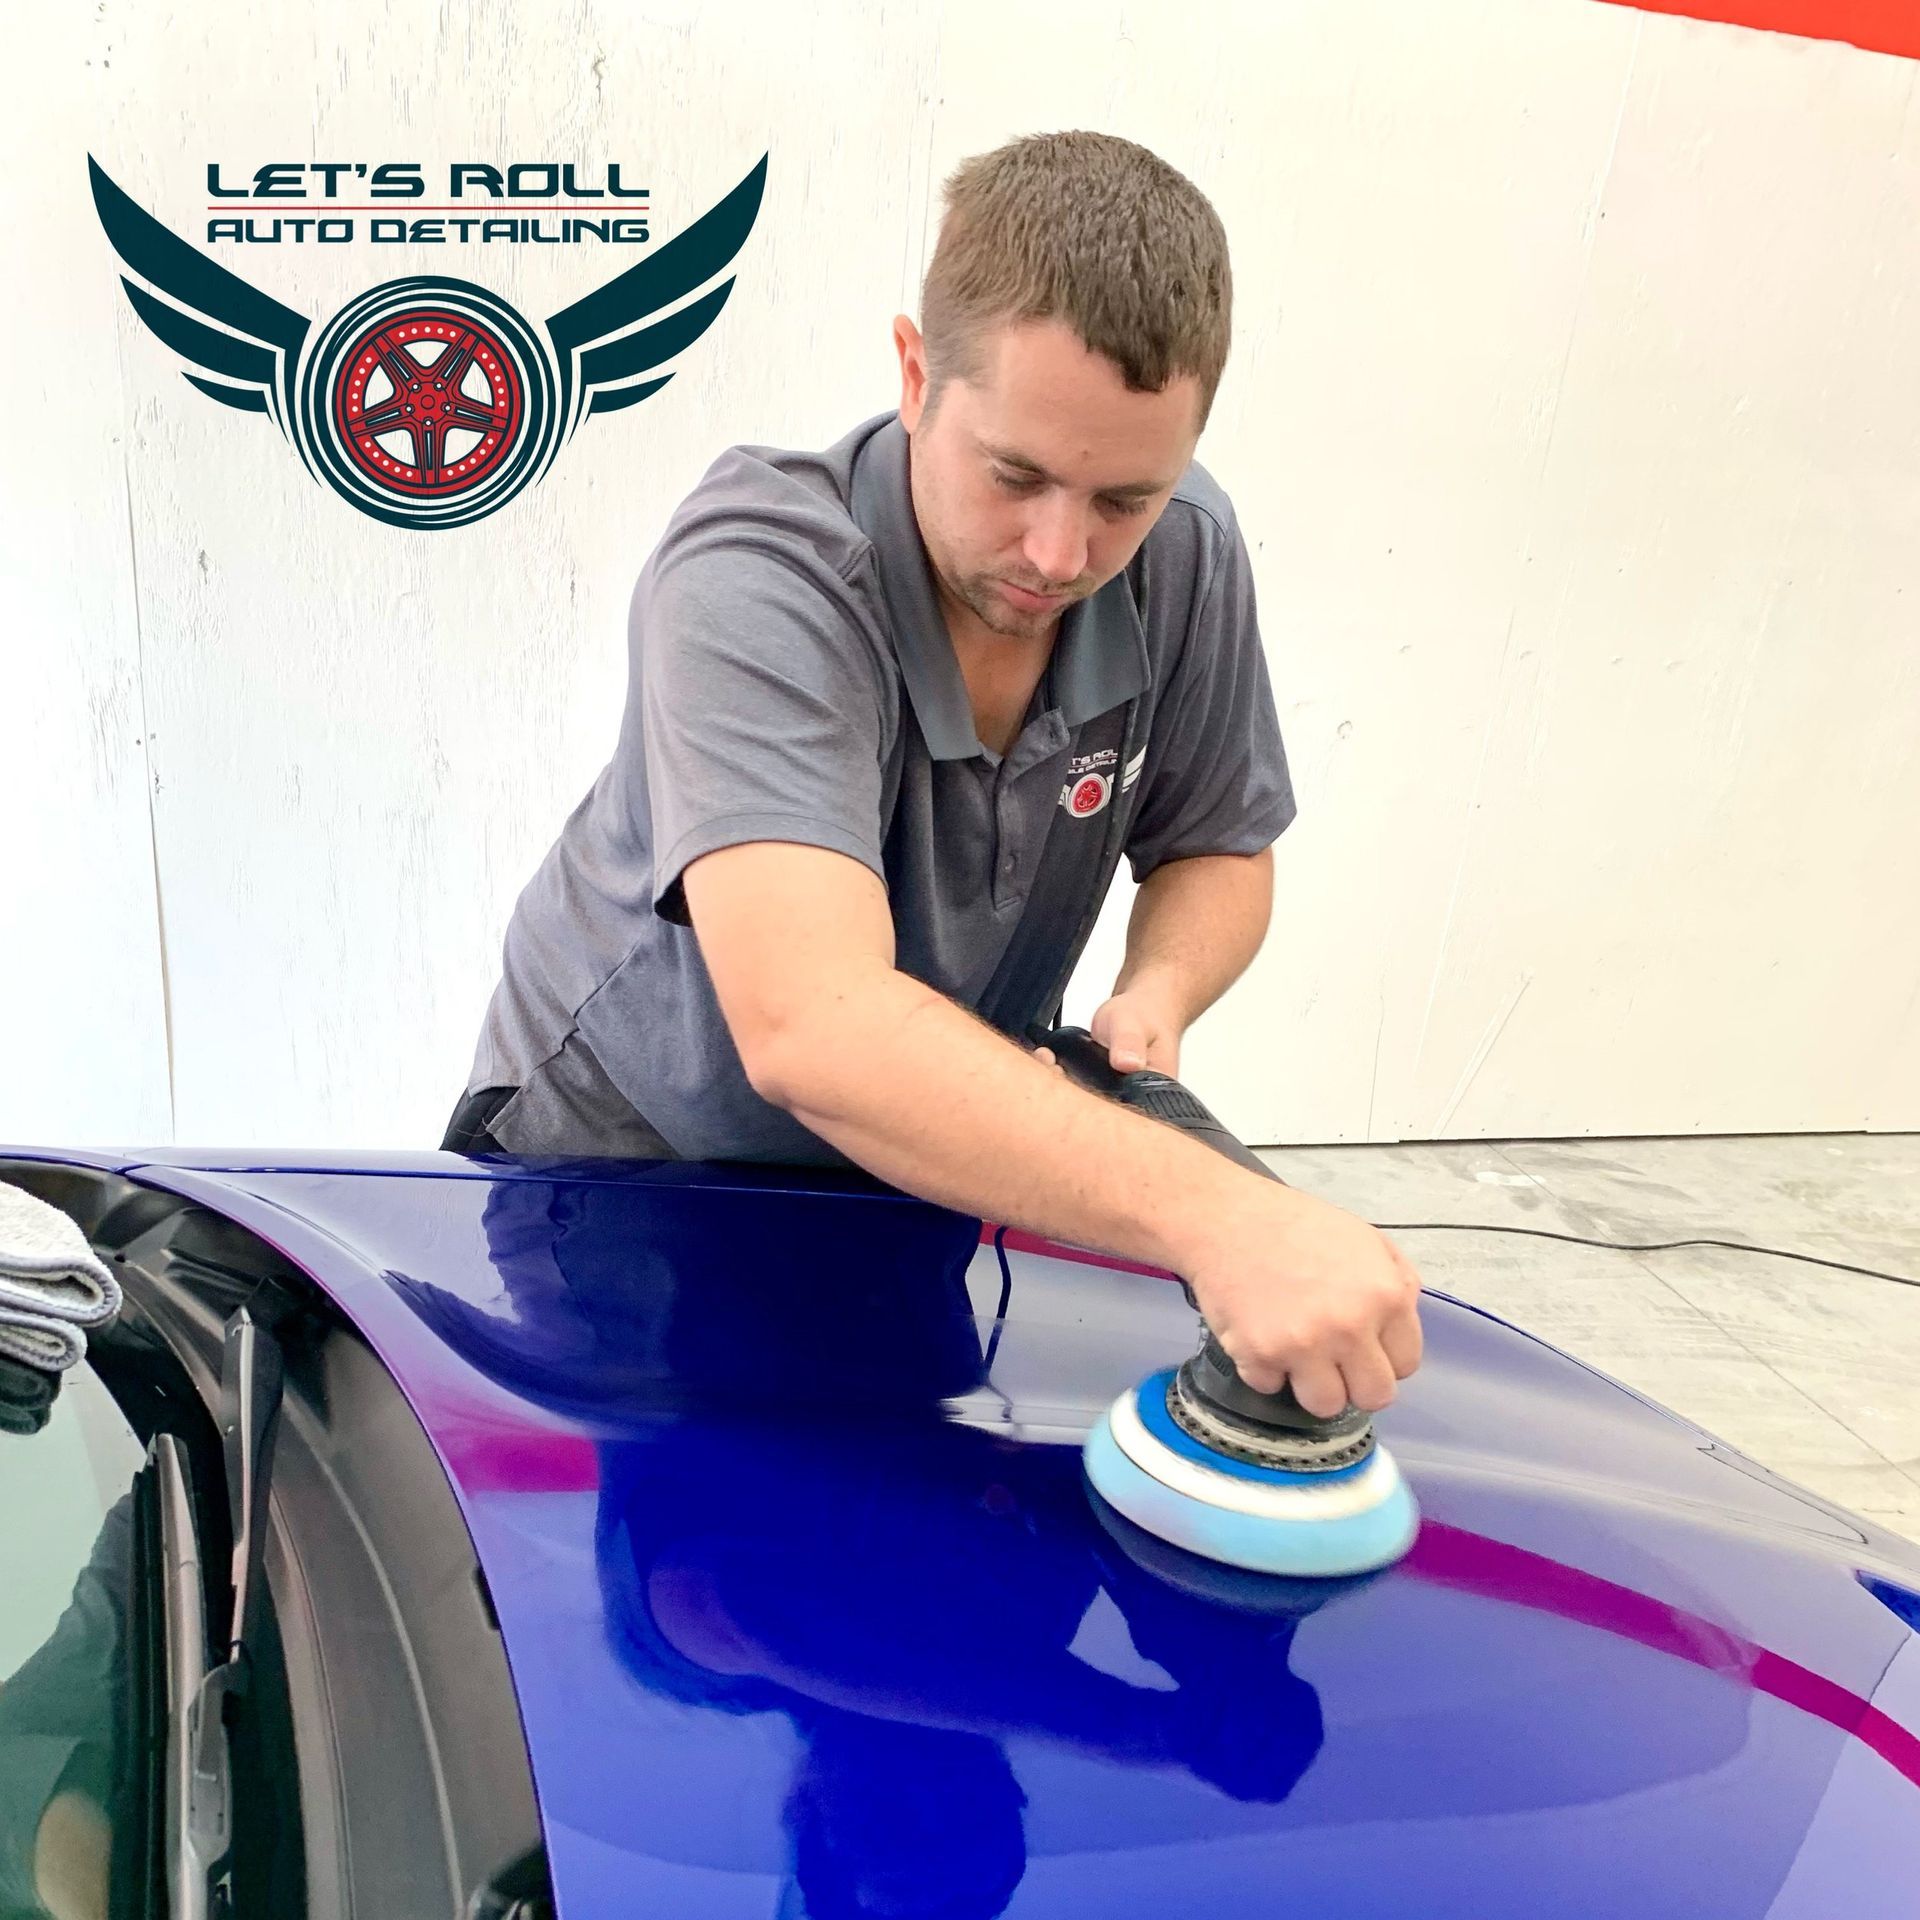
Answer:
(600, 361)
(254, 360)
(428, 402)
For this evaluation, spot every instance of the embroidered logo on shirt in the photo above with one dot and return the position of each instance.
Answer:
(1088, 789)
(1087, 795)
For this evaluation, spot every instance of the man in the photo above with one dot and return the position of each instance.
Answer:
(894, 712)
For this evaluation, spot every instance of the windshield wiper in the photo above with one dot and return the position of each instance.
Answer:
(203, 1701)
(251, 1377)
(198, 1791)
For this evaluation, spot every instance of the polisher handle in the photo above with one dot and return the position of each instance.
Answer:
(1086, 1063)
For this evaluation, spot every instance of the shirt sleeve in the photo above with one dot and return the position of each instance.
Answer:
(763, 710)
(1215, 770)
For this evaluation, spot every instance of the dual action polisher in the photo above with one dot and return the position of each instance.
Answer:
(1194, 1456)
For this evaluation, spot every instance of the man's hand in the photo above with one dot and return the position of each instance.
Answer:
(1138, 1029)
(1297, 1290)
(1195, 924)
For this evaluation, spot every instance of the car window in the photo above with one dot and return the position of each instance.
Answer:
(70, 1714)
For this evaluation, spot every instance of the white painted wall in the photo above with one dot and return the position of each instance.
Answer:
(1573, 414)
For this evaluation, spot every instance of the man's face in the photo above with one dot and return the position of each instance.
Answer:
(1036, 485)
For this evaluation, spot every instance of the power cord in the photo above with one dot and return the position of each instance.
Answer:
(1644, 1246)
(1006, 1295)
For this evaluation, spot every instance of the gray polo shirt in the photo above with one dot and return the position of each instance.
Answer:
(791, 678)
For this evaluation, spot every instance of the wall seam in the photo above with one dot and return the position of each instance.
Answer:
(146, 761)
(929, 188)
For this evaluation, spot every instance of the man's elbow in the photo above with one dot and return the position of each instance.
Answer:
(785, 1044)
(768, 1058)
(801, 1051)
(797, 942)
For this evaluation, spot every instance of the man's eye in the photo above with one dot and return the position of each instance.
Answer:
(1025, 483)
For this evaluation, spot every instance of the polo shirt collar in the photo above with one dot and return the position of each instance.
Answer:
(1099, 656)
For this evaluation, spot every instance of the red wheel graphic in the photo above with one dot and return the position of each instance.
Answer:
(1089, 796)
(427, 402)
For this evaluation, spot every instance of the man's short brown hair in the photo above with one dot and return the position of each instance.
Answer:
(1092, 231)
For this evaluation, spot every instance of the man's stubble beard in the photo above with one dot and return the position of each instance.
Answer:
(976, 592)
(994, 613)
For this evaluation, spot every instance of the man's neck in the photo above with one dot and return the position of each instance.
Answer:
(1000, 672)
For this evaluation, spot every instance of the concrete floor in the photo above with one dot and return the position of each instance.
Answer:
(1814, 1373)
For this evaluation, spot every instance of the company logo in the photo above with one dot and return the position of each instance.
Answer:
(1087, 789)
(1087, 795)
(428, 402)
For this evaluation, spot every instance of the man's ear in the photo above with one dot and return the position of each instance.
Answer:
(912, 349)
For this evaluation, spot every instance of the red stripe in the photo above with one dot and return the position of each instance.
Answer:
(1833, 1703)
(1023, 1242)
(1880, 26)
(1453, 1557)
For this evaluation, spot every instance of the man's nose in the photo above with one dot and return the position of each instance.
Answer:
(1056, 542)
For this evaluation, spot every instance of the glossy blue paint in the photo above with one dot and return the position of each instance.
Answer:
(798, 1595)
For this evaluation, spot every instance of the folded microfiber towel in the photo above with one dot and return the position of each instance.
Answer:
(52, 1285)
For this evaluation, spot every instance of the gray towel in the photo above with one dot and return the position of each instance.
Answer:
(26, 1398)
(52, 1286)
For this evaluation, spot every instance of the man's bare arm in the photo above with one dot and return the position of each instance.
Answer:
(799, 944)
(1195, 926)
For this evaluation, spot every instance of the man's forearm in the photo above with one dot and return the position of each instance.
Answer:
(1195, 927)
(916, 1090)
(909, 1085)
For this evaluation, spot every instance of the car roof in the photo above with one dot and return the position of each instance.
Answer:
(807, 1604)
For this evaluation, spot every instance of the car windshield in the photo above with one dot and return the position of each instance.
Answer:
(71, 1702)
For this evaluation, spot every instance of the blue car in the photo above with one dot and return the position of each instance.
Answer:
(456, 1536)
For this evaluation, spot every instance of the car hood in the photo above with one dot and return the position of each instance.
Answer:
(774, 1479)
